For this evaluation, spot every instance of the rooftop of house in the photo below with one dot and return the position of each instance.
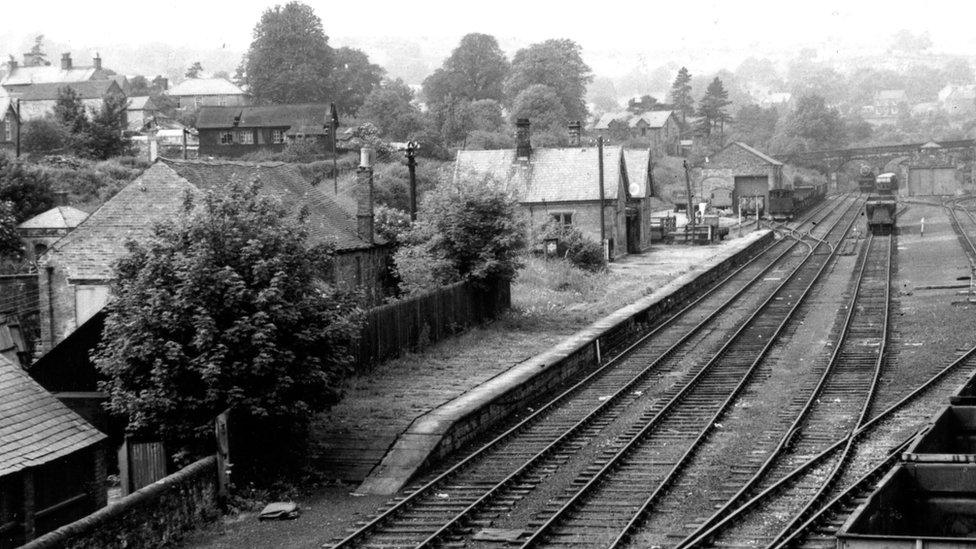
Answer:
(550, 175)
(267, 116)
(654, 119)
(141, 103)
(90, 251)
(59, 217)
(36, 428)
(892, 95)
(91, 89)
(52, 74)
(205, 86)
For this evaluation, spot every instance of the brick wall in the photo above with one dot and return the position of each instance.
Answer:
(154, 516)
(57, 306)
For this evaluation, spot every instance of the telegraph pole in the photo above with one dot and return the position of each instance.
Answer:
(603, 220)
(412, 147)
(334, 125)
(19, 123)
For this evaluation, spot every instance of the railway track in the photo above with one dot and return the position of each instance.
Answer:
(838, 404)
(515, 463)
(612, 498)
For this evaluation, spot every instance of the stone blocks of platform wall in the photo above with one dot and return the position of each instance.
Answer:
(410, 324)
(579, 354)
(154, 516)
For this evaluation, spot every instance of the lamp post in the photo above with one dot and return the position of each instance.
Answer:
(412, 147)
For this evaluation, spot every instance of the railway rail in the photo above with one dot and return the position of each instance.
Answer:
(514, 463)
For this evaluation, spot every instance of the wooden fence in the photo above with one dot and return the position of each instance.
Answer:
(413, 323)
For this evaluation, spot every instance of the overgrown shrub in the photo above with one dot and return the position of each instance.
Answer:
(574, 246)
(390, 223)
(43, 136)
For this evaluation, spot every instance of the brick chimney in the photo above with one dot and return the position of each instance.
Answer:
(364, 195)
(523, 139)
(97, 61)
(575, 129)
(11, 64)
(65, 61)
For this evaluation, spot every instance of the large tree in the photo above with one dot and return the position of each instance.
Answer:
(289, 60)
(105, 137)
(27, 188)
(388, 107)
(681, 93)
(712, 112)
(756, 125)
(558, 64)
(811, 125)
(221, 308)
(353, 78)
(541, 106)
(476, 69)
(194, 71)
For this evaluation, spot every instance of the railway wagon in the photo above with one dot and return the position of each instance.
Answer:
(788, 203)
(881, 211)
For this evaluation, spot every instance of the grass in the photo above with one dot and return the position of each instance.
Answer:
(554, 291)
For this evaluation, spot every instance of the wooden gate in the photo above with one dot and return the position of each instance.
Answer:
(140, 464)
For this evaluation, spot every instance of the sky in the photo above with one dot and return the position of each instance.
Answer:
(736, 28)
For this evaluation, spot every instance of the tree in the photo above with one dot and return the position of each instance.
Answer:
(476, 69)
(9, 239)
(194, 71)
(389, 108)
(558, 64)
(959, 71)
(756, 125)
(139, 85)
(69, 111)
(681, 94)
(641, 105)
(26, 187)
(908, 42)
(289, 60)
(353, 78)
(486, 115)
(811, 125)
(43, 136)
(541, 106)
(221, 308)
(104, 136)
(711, 108)
(159, 84)
(470, 230)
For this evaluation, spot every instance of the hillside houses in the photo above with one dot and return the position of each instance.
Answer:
(38, 100)
(658, 130)
(208, 92)
(78, 269)
(562, 185)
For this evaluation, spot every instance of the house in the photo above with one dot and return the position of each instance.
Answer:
(562, 185)
(36, 71)
(660, 129)
(52, 463)
(38, 100)
(234, 131)
(46, 228)
(140, 111)
(209, 92)
(9, 122)
(77, 270)
(748, 173)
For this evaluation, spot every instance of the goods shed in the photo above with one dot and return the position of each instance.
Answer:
(748, 172)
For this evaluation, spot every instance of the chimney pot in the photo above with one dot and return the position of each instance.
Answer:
(575, 131)
(65, 61)
(364, 196)
(523, 138)
(97, 61)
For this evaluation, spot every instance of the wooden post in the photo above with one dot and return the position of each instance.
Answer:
(184, 142)
(19, 123)
(29, 503)
(603, 219)
(688, 211)
(223, 455)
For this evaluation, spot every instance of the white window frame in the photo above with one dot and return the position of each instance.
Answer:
(244, 137)
(564, 219)
(277, 137)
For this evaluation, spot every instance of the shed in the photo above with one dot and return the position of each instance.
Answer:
(52, 462)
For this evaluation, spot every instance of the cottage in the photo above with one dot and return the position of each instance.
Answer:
(140, 111)
(745, 172)
(208, 92)
(38, 100)
(9, 122)
(77, 270)
(660, 130)
(562, 185)
(234, 131)
(37, 71)
(52, 463)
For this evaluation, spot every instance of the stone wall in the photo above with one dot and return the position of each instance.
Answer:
(586, 218)
(154, 516)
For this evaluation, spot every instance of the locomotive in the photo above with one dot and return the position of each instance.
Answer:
(866, 179)
(786, 204)
(881, 207)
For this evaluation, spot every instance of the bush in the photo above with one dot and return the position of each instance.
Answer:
(26, 187)
(43, 136)
(391, 224)
(585, 253)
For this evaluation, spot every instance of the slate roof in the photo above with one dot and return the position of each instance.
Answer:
(36, 428)
(47, 74)
(205, 86)
(763, 156)
(60, 217)
(267, 116)
(550, 175)
(605, 120)
(92, 89)
(141, 103)
(90, 251)
(654, 119)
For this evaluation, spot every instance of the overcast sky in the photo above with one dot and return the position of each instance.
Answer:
(737, 26)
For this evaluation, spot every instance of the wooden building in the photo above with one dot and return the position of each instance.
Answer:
(234, 131)
(52, 463)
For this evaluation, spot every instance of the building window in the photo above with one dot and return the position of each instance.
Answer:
(277, 136)
(226, 138)
(245, 137)
(562, 218)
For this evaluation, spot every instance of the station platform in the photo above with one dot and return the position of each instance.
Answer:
(410, 412)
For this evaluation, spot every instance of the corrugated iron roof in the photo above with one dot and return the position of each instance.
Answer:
(550, 175)
(205, 86)
(60, 217)
(90, 251)
(36, 428)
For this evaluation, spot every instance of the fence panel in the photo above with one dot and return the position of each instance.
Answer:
(389, 330)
